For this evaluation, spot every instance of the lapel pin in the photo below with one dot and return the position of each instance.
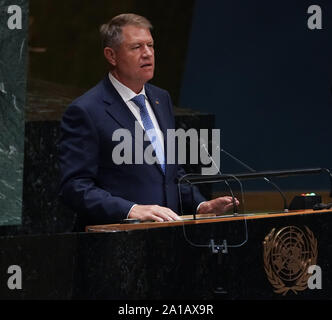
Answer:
(157, 102)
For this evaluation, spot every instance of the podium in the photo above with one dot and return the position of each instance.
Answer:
(257, 256)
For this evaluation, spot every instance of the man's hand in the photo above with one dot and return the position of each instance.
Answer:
(218, 206)
(152, 212)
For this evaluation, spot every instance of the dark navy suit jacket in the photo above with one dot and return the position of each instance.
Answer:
(99, 190)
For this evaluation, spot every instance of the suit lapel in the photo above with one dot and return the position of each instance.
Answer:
(119, 111)
(117, 108)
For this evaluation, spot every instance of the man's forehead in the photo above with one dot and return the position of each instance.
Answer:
(132, 33)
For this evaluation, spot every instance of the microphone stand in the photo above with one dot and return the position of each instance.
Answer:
(235, 208)
(196, 179)
(220, 251)
(265, 179)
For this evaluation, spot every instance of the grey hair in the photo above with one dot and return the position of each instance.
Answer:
(111, 32)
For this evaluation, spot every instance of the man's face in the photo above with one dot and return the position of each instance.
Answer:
(134, 58)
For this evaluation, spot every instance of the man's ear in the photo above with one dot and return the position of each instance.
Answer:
(110, 55)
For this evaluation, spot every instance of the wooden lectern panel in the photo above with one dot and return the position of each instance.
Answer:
(200, 219)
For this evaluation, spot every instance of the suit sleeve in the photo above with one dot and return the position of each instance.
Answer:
(78, 161)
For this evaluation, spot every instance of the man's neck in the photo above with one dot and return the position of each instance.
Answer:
(136, 87)
(126, 93)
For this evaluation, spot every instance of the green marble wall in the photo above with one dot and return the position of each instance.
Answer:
(13, 63)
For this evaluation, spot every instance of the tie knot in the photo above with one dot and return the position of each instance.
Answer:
(139, 100)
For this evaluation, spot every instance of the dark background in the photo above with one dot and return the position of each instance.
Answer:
(254, 64)
(267, 77)
(69, 31)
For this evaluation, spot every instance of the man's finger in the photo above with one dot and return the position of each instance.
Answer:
(166, 214)
(172, 214)
(228, 207)
(156, 218)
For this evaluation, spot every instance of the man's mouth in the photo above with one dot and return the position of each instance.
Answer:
(146, 65)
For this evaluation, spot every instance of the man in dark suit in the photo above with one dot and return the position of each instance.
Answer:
(99, 188)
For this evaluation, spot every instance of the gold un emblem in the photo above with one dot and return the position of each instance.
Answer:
(288, 253)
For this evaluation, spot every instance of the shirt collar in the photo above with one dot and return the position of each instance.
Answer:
(126, 93)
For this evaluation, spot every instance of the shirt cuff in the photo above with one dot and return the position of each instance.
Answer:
(133, 207)
(199, 206)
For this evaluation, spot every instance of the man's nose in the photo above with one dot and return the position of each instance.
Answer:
(148, 51)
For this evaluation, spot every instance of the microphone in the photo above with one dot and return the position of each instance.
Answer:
(235, 208)
(252, 170)
(253, 175)
(322, 206)
(330, 175)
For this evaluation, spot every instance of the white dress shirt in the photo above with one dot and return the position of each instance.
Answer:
(126, 95)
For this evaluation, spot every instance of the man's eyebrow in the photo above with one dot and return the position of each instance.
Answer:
(134, 43)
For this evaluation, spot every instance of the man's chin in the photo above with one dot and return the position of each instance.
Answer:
(148, 76)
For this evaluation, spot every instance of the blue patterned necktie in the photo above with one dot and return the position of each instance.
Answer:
(139, 100)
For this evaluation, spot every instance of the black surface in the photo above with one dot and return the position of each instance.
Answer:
(156, 264)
